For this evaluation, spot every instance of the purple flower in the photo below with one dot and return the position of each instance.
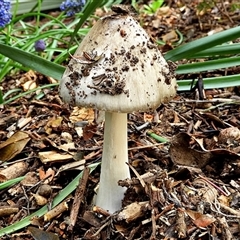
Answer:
(40, 45)
(72, 6)
(5, 15)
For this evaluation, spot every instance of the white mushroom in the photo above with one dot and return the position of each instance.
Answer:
(118, 69)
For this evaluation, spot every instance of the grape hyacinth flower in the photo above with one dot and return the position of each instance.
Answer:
(40, 45)
(5, 14)
(72, 6)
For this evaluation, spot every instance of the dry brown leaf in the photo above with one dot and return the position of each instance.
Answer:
(88, 131)
(48, 175)
(53, 123)
(164, 10)
(30, 179)
(67, 137)
(13, 146)
(200, 142)
(182, 154)
(148, 117)
(199, 219)
(66, 147)
(120, 228)
(39, 234)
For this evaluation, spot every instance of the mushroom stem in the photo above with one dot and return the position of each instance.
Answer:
(114, 158)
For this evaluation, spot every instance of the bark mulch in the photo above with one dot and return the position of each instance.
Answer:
(185, 188)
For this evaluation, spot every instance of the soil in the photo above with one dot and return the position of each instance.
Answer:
(187, 187)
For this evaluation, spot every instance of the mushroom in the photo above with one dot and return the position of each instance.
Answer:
(118, 69)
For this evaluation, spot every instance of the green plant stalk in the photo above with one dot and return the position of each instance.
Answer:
(58, 199)
(39, 4)
(157, 137)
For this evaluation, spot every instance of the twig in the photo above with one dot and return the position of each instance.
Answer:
(232, 211)
(225, 228)
(146, 146)
(137, 175)
(153, 217)
(133, 232)
(166, 209)
(27, 199)
(102, 227)
(101, 211)
(79, 195)
(225, 11)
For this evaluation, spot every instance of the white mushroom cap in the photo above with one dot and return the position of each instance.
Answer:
(117, 68)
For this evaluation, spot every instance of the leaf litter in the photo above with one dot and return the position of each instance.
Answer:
(184, 188)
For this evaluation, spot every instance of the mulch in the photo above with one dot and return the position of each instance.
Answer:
(185, 188)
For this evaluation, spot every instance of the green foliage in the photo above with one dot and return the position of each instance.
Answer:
(235, 7)
(205, 5)
(152, 7)
(10, 182)
(17, 48)
(21, 35)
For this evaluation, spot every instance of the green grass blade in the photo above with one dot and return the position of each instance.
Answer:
(11, 91)
(222, 50)
(58, 199)
(214, 82)
(22, 94)
(32, 61)
(1, 96)
(10, 182)
(208, 65)
(188, 49)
